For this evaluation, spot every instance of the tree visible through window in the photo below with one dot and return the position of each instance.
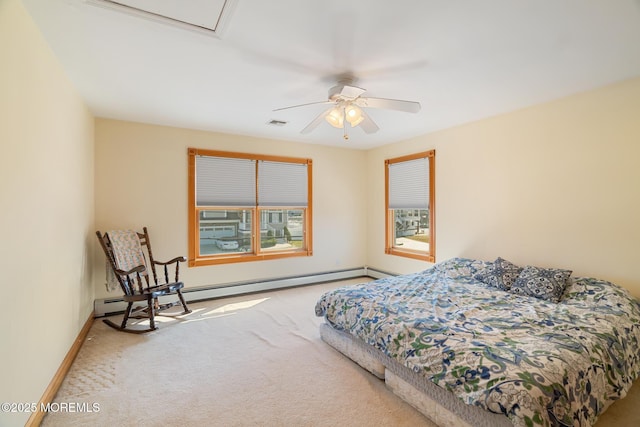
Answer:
(409, 206)
(247, 207)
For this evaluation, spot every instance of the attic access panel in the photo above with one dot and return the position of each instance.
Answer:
(204, 15)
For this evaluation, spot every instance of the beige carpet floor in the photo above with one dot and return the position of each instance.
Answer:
(253, 360)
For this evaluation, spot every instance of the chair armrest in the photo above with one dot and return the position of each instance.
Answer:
(138, 269)
(176, 261)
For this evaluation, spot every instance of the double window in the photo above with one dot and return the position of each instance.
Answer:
(247, 207)
(410, 206)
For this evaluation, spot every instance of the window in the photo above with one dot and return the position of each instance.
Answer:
(410, 206)
(247, 207)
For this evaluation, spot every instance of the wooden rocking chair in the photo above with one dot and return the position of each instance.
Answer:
(126, 257)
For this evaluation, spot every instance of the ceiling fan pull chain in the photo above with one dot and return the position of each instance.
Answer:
(344, 121)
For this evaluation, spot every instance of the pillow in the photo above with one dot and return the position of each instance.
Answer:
(501, 274)
(544, 283)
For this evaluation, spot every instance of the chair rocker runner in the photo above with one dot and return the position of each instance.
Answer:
(128, 268)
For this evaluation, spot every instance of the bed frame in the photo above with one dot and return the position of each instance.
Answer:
(437, 404)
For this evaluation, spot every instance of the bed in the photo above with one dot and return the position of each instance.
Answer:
(467, 349)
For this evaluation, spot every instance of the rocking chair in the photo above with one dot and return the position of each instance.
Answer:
(128, 267)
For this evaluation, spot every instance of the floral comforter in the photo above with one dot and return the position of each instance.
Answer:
(537, 362)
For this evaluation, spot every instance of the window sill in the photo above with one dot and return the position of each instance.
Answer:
(422, 256)
(235, 258)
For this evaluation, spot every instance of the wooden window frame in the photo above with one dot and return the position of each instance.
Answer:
(390, 249)
(195, 259)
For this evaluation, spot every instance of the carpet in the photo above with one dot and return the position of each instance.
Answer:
(253, 360)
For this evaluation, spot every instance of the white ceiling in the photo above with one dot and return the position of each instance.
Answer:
(463, 60)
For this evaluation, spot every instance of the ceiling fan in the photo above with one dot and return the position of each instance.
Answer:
(347, 107)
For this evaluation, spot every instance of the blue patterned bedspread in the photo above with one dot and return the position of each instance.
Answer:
(537, 362)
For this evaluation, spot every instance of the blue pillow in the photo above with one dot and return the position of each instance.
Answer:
(500, 274)
(544, 283)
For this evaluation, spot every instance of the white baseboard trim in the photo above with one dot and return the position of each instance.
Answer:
(378, 274)
(109, 306)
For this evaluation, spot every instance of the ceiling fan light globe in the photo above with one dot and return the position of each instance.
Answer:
(355, 122)
(335, 118)
(352, 111)
(354, 115)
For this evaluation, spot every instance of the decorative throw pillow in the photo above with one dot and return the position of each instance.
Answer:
(544, 283)
(501, 274)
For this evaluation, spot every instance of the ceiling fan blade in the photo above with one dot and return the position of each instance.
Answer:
(314, 124)
(389, 104)
(343, 91)
(304, 105)
(368, 125)
(351, 92)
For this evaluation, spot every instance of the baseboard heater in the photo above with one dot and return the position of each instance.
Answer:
(109, 306)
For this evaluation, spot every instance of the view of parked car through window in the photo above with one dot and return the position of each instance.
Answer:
(230, 230)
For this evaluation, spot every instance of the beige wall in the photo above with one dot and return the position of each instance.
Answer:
(46, 220)
(553, 185)
(141, 180)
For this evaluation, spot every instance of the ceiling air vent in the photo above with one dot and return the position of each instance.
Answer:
(277, 123)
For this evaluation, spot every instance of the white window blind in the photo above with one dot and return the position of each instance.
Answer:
(282, 184)
(409, 184)
(222, 181)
